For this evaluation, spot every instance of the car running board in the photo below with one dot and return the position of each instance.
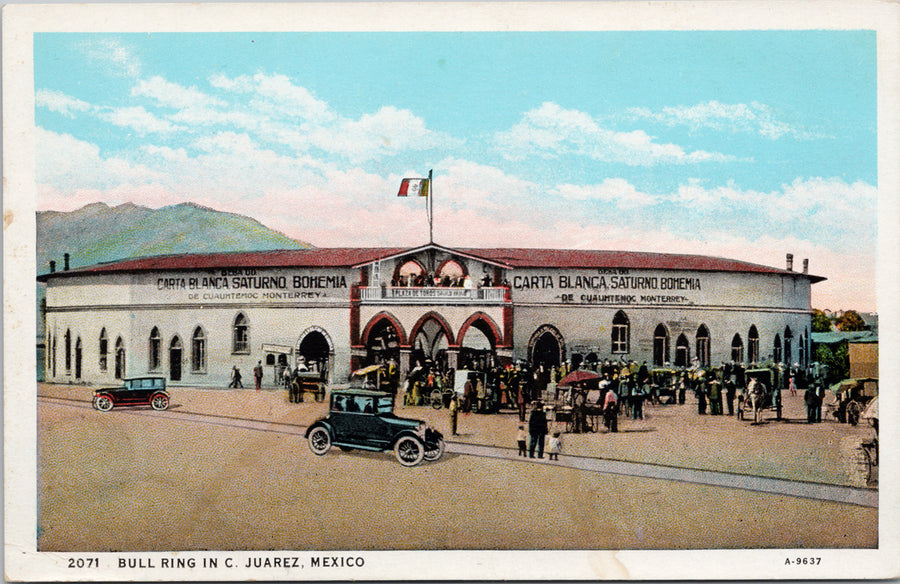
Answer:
(358, 447)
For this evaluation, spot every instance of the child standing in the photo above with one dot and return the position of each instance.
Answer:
(555, 446)
(521, 437)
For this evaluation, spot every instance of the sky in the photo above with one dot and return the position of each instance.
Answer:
(740, 144)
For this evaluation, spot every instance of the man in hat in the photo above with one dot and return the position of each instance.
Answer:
(537, 430)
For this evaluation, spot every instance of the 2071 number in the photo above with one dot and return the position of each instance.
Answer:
(84, 563)
(802, 561)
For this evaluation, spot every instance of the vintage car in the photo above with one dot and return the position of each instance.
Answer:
(365, 420)
(138, 391)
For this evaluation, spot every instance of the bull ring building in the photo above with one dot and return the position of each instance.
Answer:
(193, 317)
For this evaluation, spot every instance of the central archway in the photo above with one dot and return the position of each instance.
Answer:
(429, 340)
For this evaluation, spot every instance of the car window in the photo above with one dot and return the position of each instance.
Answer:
(385, 405)
(337, 403)
(366, 404)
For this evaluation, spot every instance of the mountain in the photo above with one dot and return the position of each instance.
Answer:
(100, 233)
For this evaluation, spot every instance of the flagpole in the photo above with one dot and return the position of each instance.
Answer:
(430, 207)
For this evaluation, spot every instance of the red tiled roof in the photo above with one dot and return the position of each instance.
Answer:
(346, 257)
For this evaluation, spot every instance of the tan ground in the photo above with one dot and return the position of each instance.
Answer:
(117, 481)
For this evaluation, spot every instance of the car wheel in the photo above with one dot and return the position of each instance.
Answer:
(159, 402)
(319, 441)
(436, 452)
(409, 451)
(103, 403)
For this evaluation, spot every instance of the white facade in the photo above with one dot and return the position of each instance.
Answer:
(194, 325)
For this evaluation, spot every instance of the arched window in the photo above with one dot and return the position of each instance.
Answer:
(451, 273)
(776, 349)
(120, 358)
(411, 274)
(54, 356)
(153, 352)
(682, 351)
(78, 358)
(68, 351)
(788, 340)
(737, 349)
(753, 345)
(104, 349)
(198, 351)
(175, 354)
(660, 346)
(801, 352)
(703, 345)
(621, 334)
(241, 337)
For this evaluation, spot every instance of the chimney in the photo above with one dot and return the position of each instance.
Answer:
(52, 266)
(66, 262)
(805, 266)
(790, 262)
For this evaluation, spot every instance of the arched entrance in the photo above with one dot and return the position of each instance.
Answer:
(478, 338)
(429, 340)
(660, 345)
(175, 353)
(546, 347)
(314, 349)
(382, 339)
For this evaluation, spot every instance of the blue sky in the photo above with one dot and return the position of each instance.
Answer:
(740, 144)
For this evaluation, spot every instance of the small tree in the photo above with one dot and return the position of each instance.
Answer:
(837, 360)
(821, 323)
(851, 321)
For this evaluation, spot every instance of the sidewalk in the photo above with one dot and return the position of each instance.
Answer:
(669, 435)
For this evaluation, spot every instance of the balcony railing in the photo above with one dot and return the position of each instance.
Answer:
(435, 294)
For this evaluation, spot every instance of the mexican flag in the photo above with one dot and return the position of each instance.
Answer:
(413, 187)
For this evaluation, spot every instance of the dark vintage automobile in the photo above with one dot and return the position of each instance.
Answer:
(139, 391)
(365, 420)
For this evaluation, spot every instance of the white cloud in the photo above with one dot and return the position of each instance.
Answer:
(138, 119)
(278, 111)
(169, 94)
(551, 131)
(56, 101)
(68, 164)
(612, 190)
(116, 57)
(754, 118)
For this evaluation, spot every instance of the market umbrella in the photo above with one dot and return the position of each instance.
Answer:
(365, 371)
(871, 409)
(579, 376)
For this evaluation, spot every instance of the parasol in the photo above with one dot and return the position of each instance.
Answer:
(579, 376)
(365, 371)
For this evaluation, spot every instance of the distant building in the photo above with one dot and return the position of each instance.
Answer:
(864, 357)
(193, 317)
